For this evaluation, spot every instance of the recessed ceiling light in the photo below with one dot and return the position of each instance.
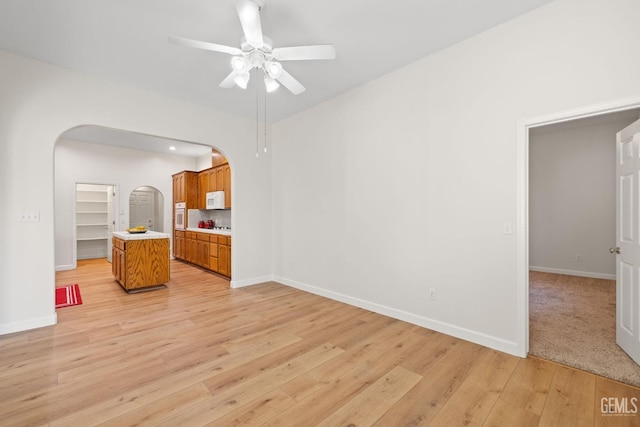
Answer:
(172, 148)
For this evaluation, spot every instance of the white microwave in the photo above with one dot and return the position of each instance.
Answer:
(215, 200)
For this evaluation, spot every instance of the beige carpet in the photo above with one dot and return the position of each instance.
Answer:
(572, 321)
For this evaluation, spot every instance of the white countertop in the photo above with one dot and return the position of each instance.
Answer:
(211, 231)
(125, 235)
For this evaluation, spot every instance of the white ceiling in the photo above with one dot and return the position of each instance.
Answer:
(126, 41)
(126, 139)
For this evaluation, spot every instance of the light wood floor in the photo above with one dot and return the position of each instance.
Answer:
(199, 353)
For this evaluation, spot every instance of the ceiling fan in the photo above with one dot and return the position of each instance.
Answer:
(257, 52)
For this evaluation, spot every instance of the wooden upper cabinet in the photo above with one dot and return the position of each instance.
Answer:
(203, 188)
(217, 158)
(191, 185)
(213, 180)
(227, 185)
(219, 178)
(178, 188)
(185, 188)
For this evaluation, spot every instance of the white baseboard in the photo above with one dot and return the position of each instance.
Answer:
(25, 325)
(249, 282)
(64, 267)
(573, 273)
(510, 347)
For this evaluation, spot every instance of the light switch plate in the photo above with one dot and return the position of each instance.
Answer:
(508, 228)
(31, 216)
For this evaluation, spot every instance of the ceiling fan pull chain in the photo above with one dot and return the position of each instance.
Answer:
(257, 119)
(265, 120)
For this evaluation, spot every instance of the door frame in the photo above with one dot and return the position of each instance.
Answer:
(522, 200)
(158, 213)
(74, 219)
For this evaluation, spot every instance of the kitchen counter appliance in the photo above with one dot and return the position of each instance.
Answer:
(215, 200)
(180, 216)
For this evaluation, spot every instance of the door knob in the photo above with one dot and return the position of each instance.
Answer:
(615, 250)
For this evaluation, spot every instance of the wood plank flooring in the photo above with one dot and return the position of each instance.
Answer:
(199, 353)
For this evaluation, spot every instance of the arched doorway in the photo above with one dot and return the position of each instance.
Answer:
(146, 208)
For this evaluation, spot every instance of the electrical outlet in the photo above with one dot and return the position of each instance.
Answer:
(432, 294)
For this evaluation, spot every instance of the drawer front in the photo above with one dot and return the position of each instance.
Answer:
(191, 234)
(213, 250)
(179, 233)
(118, 243)
(213, 238)
(202, 236)
(222, 240)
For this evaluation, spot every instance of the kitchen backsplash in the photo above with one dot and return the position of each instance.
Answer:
(222, 218)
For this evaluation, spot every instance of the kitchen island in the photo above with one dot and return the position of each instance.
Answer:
(140, 261)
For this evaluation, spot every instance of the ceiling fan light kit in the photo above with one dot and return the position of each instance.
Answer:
(241, 80)
(256, 51)
(274, 69)
(270, 84)
(239, 64)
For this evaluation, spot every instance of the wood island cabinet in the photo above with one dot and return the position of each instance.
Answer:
(118, 260)
(140, 262)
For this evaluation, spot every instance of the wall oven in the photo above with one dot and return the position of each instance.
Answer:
(180, 216)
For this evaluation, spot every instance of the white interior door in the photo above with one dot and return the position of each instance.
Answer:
(142, 209)
(628, 240)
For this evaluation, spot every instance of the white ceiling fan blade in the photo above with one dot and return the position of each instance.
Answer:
(299, 53)
(291, 83)
(228, 82)
(249, 14)
(205, 45)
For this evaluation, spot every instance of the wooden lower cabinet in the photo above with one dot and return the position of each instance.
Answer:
(224, 260)
(179, 245)
(118, 260)
(202, 250)
(142, 263)
(213, 253)
(191, 247)
(210, 251)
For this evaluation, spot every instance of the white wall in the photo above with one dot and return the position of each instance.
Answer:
(126, 168)
(405, 183)
(202, 162)
(39, 102)
(572, 198)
